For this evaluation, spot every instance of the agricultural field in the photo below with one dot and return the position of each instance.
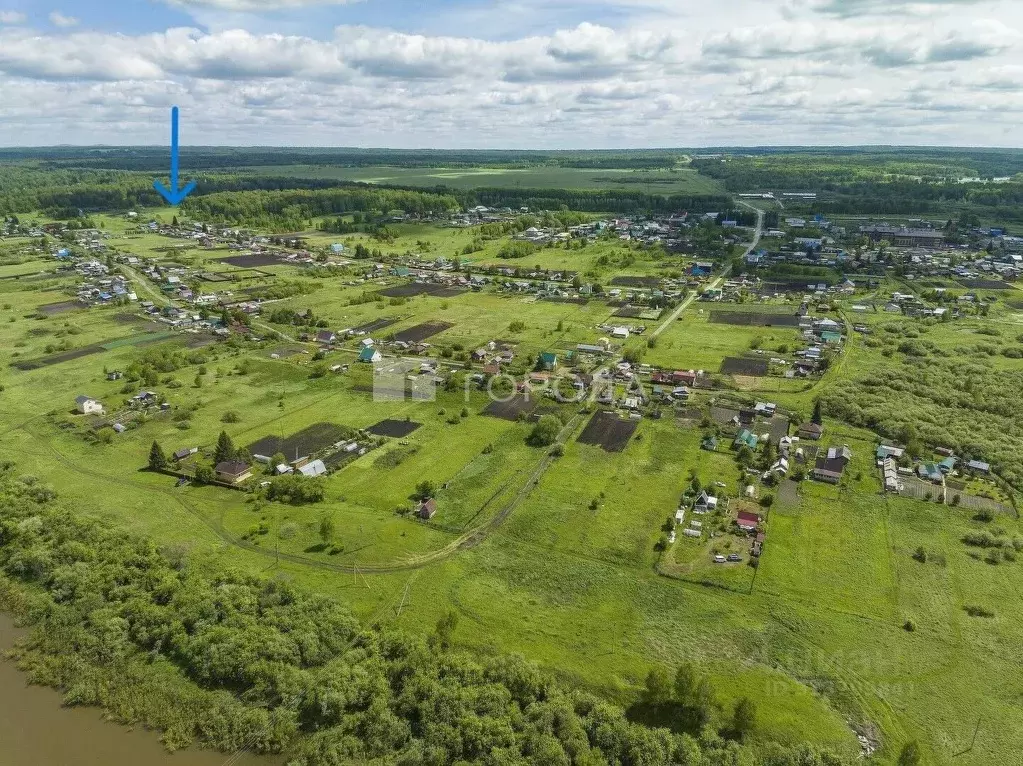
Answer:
(660, 181)
(547, 524)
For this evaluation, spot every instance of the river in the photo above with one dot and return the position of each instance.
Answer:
(36, 730)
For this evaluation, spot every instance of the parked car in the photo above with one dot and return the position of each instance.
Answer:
(719, 559)
(734, 557)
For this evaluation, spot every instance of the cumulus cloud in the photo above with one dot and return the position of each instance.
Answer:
(882, 47)
(12, 17)
(254, 6)
(739, 71)
(58, 19)
(853, 8)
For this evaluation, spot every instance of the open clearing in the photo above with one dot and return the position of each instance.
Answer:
(608, 431)
(676, 181)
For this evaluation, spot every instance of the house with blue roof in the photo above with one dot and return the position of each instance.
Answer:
(745, 439)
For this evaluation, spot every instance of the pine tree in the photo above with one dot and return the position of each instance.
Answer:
(818, 414)
(224, 450)
(157, 459)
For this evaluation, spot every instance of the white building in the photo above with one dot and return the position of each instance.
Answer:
(88, 406)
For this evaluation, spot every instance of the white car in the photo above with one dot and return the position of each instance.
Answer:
(719, 559)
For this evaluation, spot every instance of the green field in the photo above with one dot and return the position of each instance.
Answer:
(557, 554)
(676, 181)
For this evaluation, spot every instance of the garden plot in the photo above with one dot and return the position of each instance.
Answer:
(756, 368)
(636, 281)
(417, 288)
(609, 432)
(255, 260)
(637, 312)
(512, 409)
(753, 318)
(52, 309)
(985, 284)
(304, 443)
(377, 324)
(396, 429)
(420, 332)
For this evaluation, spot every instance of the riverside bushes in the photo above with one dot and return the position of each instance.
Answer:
(232, 660)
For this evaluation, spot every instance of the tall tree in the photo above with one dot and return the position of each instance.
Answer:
(157, 458)
(328, 528)
(224, 450)
(818, 414)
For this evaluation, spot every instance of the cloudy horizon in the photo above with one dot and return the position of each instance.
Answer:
(541, 74)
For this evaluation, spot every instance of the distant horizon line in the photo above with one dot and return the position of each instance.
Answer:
(706, 148)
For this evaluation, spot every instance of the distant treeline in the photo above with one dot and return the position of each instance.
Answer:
(872, 182)
(154, 159)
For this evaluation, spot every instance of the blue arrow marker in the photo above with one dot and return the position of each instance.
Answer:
(174, 195)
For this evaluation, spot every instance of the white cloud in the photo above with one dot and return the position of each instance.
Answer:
(12, 17)
(737, 71)
(58, 19)
(256, 6)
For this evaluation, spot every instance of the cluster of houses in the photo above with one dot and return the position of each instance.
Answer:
(894, 469)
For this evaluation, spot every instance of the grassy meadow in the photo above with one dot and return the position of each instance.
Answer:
(816, 635)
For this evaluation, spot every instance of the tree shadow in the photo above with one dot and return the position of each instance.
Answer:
(317, 548)
(667, 715)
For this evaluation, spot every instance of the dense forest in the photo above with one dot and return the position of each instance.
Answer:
(882, 183)
(236, 661)
(154, 159)
(287, 203)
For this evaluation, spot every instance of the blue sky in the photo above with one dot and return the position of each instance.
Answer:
(512, 73)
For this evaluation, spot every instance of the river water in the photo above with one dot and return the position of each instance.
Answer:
(36, 730)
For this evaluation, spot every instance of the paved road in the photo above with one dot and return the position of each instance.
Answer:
(720, 278)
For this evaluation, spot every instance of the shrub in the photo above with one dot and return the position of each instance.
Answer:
(545, 432)
(295, 489)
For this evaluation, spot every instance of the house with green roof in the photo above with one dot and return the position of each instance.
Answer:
(370, 355)
(709, 443)
(745, 439)
(833, 338)
(548, 361)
